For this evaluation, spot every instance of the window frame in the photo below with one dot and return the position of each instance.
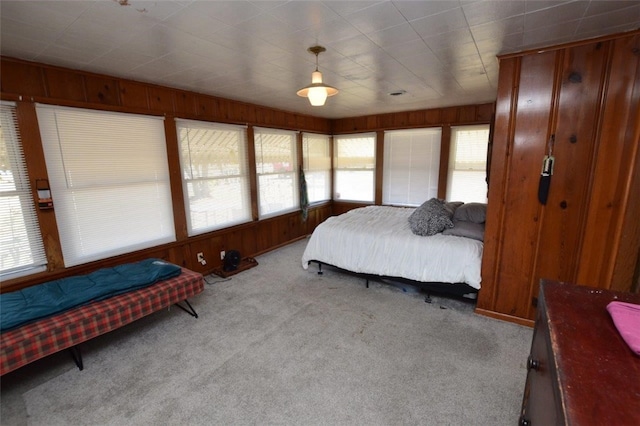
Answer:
(243, 175)
(132, 198)
(311, 170)
(29, 228)
(428, 135)
(368, 167)
(292, 172)
(452, 170)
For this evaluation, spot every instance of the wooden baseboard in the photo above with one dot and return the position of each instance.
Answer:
(505, 317)
(246, 263)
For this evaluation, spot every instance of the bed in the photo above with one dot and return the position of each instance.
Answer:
(380, 241)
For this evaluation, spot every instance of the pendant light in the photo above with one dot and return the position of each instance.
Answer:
(317, 91)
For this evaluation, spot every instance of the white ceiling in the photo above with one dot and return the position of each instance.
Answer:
(441, 53)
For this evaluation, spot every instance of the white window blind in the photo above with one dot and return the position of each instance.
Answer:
(411, 166)
(354, 167)
(316, 154)
(277, 171)
(215, 176)
(109, 181)
(21, 248)
(468, 164)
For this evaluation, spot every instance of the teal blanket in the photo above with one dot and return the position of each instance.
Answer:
(43, 300)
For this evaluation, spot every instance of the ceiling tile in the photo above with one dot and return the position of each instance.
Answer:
(392, 36)
(376, 18)
(304, 14)
(413, 10)
(481, 12)
(444, 22)
(564, 12)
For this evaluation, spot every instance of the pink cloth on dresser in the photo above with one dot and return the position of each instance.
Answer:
(626, 317)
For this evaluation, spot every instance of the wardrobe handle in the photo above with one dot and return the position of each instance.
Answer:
(533, 364)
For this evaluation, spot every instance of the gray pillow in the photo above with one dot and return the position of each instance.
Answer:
(452, 206)
(471, 212)
(430, 218)
(466, 229)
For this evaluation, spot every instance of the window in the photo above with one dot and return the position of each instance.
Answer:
(317, 166)
(109, 181)
(21, 248)
(355, 164)
(277, 171)
(468, 164)
(411, 166)
(214, 175)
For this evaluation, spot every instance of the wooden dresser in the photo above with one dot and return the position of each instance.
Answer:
(581, 372)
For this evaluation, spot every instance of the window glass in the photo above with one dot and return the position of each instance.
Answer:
(354, 167)
(277, 171)
(411, 166)
(215, 176)
(317, 166)
(21, 248)
(468, 164)
(109, 181)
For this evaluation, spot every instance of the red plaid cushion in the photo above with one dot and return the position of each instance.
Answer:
(44, 337)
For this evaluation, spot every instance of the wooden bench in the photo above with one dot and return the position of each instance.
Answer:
(68, 329)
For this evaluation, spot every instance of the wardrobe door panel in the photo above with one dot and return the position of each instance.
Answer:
(522, 212)
(577, 110)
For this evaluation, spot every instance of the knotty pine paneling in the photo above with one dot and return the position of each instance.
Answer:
(461, 115)
(615, 165)
(102, 90)
(64, 84)
(22, 79)
(134, 94)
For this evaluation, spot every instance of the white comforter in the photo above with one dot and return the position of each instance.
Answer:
(377, 240)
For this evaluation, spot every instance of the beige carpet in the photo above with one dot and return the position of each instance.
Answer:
(280, 345)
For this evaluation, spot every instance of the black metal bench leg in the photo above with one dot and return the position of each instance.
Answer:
(319, 268)
(77, 356)
(190, 311)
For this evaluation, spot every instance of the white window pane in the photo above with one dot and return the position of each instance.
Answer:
(214, 165)
(218, 203)
(21, 248)
(468, 186)
(278, 193)
(411, 166)
(277, 171)
(354, 185)
(106, 203)
(468, 163)
(318, 185)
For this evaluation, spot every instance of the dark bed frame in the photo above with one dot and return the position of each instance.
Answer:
(461, 291)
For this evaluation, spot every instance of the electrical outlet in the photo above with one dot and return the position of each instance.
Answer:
(222, 254)
(200, 256)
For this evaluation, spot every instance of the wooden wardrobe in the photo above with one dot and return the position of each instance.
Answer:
(582, 100)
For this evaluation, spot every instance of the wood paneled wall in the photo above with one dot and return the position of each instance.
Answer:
(586, 98)
(27, 83)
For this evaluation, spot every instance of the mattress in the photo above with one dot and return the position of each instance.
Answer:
(377, 240)
(43, 300)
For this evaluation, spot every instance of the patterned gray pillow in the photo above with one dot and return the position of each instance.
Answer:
(430, 218)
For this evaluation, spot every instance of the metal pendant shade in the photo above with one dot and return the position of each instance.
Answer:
(317, 91)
